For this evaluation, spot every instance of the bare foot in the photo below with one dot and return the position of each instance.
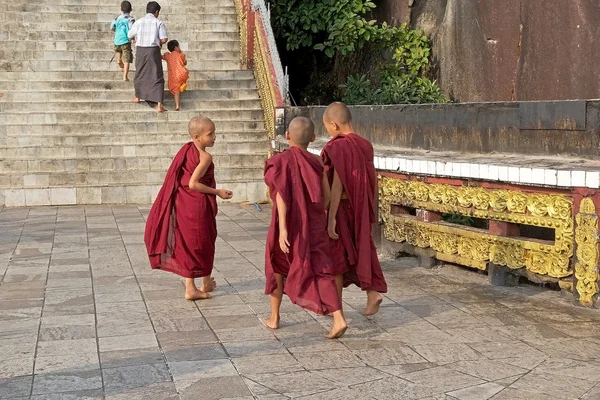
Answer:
(272, 322)
(136, 100)
(176, 108)
(337, 331)
(374, 300)
(210, 287)
(127, 80)
(196, 295)
(160, 109)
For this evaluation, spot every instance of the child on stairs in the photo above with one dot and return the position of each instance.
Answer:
(178, 73)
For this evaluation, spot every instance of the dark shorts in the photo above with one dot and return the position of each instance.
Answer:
(126, 53)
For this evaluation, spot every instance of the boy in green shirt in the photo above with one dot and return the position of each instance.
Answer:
(120, 27)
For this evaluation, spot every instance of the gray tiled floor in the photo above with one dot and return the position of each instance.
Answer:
(82, 316)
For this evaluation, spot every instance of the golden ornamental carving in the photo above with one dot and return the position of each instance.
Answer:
(476, 247)
(586, 264)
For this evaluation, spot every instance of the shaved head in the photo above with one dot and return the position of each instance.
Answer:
(302, 131)
(339, 113)
(199, 125)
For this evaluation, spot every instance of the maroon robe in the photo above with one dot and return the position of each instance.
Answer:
(181, 229)
(352, 157)
(297, 176)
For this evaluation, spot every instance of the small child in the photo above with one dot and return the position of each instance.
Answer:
(181, 229)
(348, 160)
(297, 242)
(178, 73)
(120, 27)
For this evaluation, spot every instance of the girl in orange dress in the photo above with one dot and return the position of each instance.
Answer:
(178, 73)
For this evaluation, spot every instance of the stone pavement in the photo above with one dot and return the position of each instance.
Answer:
(82, 316)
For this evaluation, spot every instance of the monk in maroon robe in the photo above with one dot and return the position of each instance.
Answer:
(348, 160)
(297, 260)
(181, 229)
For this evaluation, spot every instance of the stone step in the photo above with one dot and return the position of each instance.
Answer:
(87, 76)
(118, 150)
(133, 193)
(222, 16)
(105, 54)
(84, 65)
(167, 11)
(129, 138)
(193, 84)
(123, 94)
(122, 170)
(107, 36)
(111, 107)
(80, 125)
(165, 4)
(172, 28)
(83, 46)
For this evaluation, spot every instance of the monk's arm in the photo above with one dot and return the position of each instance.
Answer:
(199, 173)
(281, 213)
(326, 192)
(336, 197)
(284, 243)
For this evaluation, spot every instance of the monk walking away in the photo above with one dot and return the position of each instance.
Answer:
(348, 160)
(297, 260)
(181, 229)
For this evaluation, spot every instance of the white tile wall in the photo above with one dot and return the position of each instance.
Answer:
(523, 175)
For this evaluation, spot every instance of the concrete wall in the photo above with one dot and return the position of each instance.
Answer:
(491, 50)
(570, 128)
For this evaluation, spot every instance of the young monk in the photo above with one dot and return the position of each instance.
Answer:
(297, 259)
(181, 229)
(349, 165)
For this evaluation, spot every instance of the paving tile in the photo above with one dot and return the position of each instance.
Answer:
(266, 363)
(187, 373)
(125, 358)
(254, 348)
(195, 352)
(67, 381)
(176, 324)
(13, 367)
(66, 363)
(95, 394)
(445, 353)
(130, 342)
(217, 388)
(297, 382)
(15, 387)
(58, 348)
(561, 387)
(159, 390)
(117, 380)
(442, 379)
(489, 370)
(348, 376)
(479, 392)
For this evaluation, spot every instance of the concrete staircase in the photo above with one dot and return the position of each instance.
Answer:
(69, 133)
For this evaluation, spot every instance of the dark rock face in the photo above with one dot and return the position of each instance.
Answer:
(489, 50)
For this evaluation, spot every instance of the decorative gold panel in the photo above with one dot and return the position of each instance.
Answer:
(476, 247)
(243, 24)
(264, 81)
(586, 264)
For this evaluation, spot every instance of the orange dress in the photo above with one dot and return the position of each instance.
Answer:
(178, 73)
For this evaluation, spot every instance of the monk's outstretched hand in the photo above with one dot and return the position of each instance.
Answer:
(225, 194)
(284, 244)
(331, 230)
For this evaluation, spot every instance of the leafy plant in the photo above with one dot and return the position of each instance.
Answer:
(371, 62)
(458, 219)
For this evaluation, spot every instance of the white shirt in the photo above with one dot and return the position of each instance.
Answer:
(148, 31)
